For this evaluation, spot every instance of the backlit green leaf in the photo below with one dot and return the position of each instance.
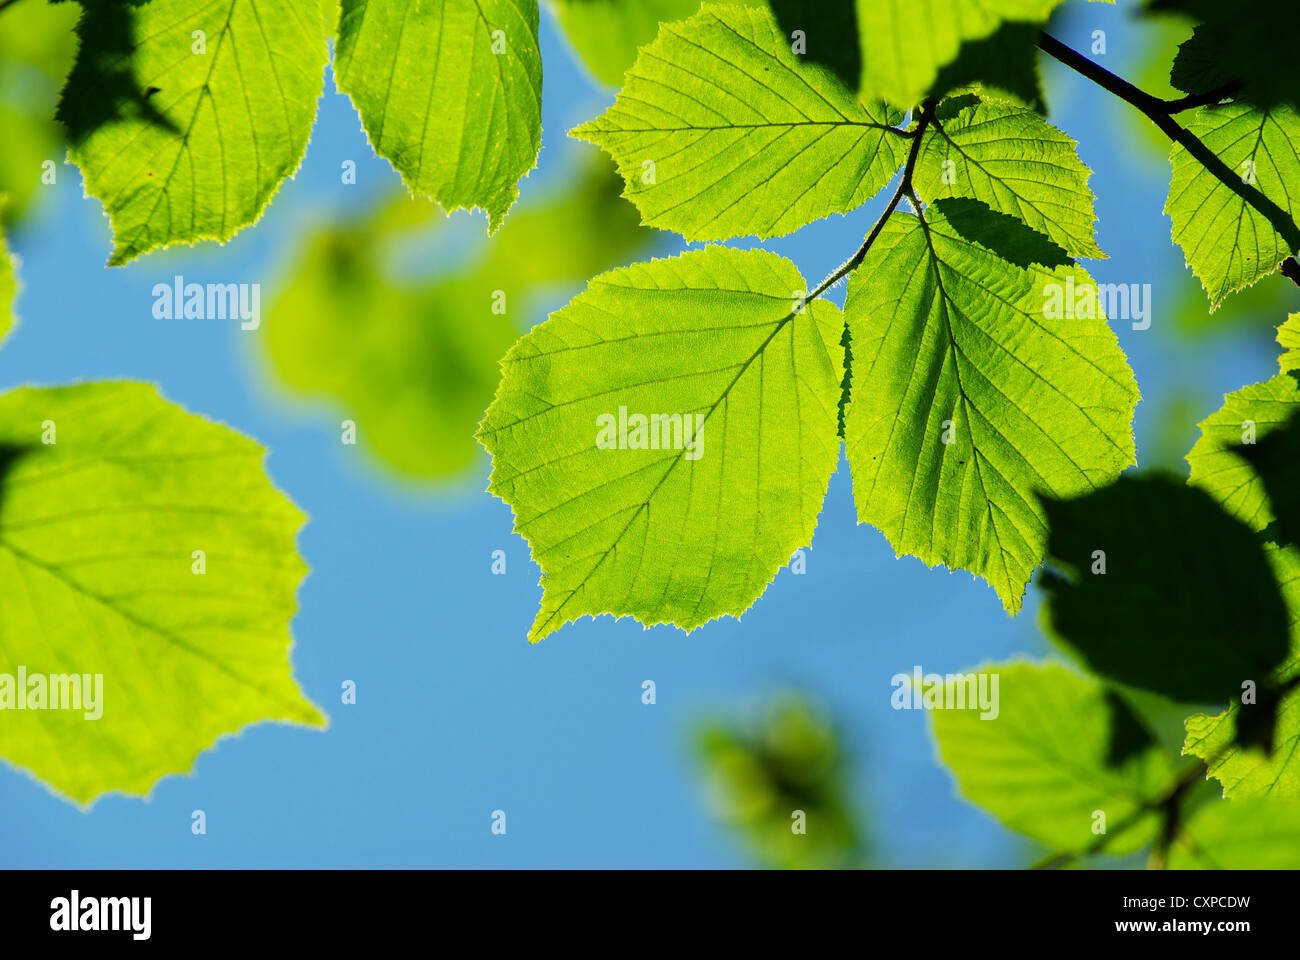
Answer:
(976, 387)
(185, 118)
(1014, 161)
(1228, 243)
(662, 522)
(1252, 413)
(721, 132)
(450, 91)
(108, 494)
(1246, 416)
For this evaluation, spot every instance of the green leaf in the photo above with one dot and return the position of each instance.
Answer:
(697, 525)
(1254, 48)
(414, 365)
(787, 757)
(1239, 835)
(826, 32)
(450, 92)
(97, 538)
(180, 145)
(1247, 415)
(955, 339)
(1275, 459)
(1217, 466)
(721, 132)
(1198, 68)
(1288, 335)
(1003, 65)
(1059, 750)
(1014, 161)
(904, 46)
(36, 51)
(1131, 600)
(1228, 243)
(1247, 770)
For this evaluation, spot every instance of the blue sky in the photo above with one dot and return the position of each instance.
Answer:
(457, 715)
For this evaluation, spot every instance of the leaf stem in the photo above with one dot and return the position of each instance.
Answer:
(1160, 113)
(904, 190)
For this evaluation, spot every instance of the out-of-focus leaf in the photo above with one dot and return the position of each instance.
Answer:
(1060, 751)
(415, 364)
(763, 774)
(1003, 65)
(1261, 834)
(36, 51)
(1128, 593)
(1252, 45)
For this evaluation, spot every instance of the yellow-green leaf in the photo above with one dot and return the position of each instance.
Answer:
(144, 551)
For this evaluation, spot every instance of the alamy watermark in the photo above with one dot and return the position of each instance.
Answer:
(76, 913)
(179, 300)
(656, 431)
(1088, 301)
(954, 691)
(55, 691)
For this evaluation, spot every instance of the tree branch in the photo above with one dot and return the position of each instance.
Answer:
(1160, 113)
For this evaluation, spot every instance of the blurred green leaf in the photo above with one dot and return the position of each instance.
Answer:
(1003, 65)
(36, 51)
(1128, 595)
(415, 364)
(1261, 834)
(762, 773)
(1061, 750)
(1253, 45)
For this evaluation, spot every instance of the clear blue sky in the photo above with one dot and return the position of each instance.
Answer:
(457, 714)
